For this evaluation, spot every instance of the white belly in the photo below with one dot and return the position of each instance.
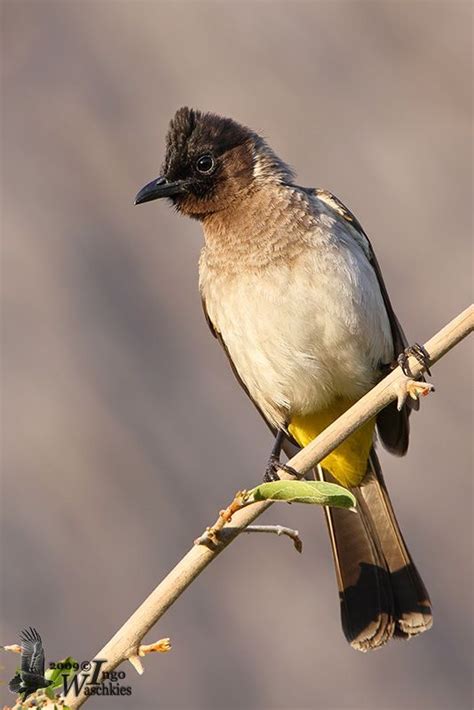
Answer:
(302, 334)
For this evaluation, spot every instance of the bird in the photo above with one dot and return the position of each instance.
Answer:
(292, 290)
(30, 677)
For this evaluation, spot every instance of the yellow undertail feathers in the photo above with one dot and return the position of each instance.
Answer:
(347, 463)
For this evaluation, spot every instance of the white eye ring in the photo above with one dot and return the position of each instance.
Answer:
(205, 164)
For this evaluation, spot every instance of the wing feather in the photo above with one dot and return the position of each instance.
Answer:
(393, 426)
(32, 653)
(399, 340)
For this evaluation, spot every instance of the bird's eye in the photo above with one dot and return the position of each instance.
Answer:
(205, 164)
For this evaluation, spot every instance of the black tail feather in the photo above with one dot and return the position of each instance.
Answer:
(381, 593)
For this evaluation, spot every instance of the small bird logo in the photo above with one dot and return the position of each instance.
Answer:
(31, 675)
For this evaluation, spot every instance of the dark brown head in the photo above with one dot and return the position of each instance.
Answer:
(210, 162)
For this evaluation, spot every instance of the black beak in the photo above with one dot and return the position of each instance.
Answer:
(160, 188)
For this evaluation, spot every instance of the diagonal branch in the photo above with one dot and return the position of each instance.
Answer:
(127, 640)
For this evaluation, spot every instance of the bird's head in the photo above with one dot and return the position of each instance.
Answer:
(210, 162)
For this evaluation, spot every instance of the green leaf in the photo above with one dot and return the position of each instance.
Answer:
(313, 492)
(68, 666)
(49, 692)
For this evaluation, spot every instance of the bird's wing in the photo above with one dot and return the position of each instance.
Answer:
(399, 340)
(393, 426)
(32, 653)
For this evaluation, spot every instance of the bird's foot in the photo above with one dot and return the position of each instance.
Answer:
(413, 389)
(419, 353)
(273, 468)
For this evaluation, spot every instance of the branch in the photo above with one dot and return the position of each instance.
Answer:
(277, 530)
(126, 642)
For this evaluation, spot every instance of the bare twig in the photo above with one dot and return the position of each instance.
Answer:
(277, 530)
(126, 642)
(161, 646)
(14, 648)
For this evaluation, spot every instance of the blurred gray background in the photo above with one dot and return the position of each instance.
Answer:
(124, 431)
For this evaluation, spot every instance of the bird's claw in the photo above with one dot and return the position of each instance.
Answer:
(273, 468)
(419, 353)
(271, 471)
(413, 389)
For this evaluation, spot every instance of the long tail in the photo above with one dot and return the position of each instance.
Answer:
(381, 593)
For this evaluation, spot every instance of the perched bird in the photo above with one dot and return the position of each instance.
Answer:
(292, 290)
(31, 675)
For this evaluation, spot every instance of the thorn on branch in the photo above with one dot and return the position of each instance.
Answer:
(413, 388)
(161, 646)
(277, 530)
(137, 664)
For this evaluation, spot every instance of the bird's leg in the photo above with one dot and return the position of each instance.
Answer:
(418, 352)
(274, 465)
